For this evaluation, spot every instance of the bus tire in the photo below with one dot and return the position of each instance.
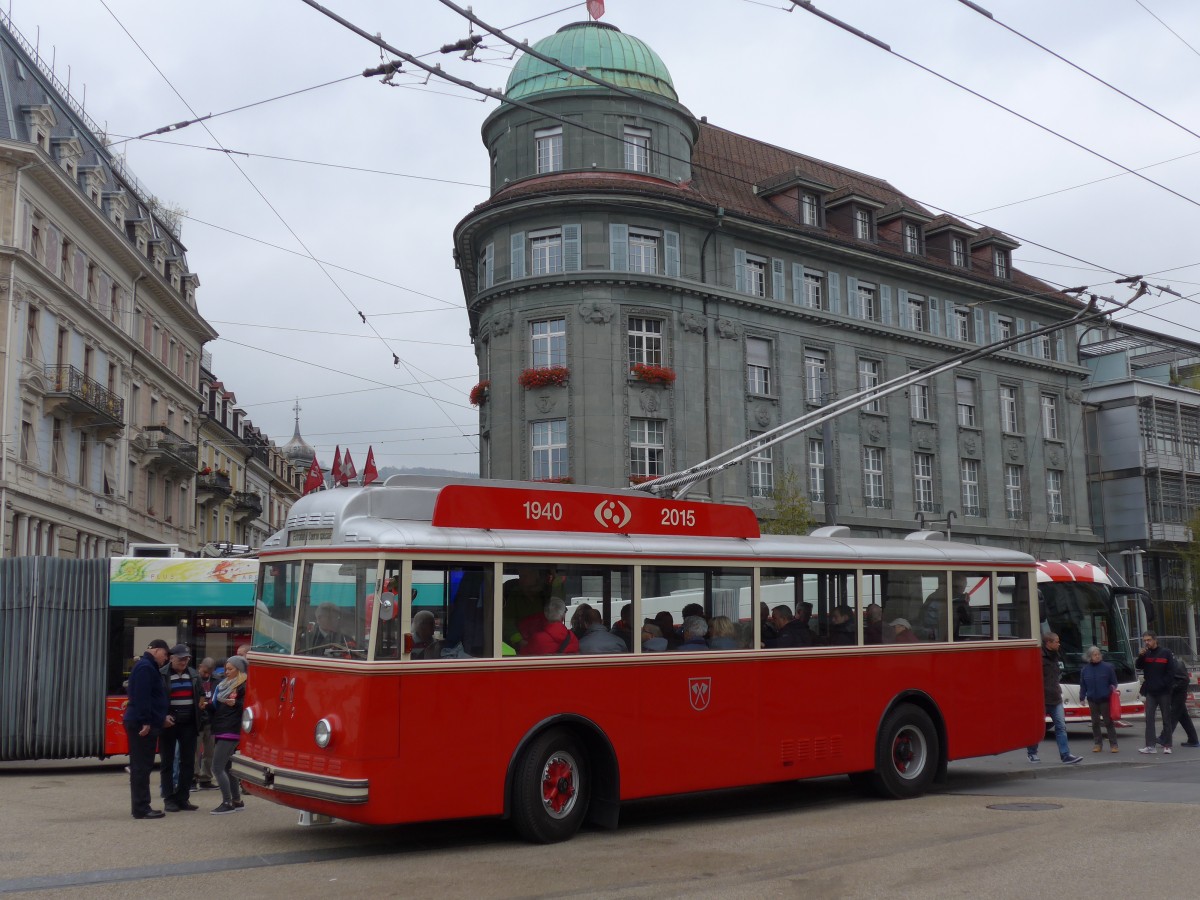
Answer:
(551, 788)
(906, 754)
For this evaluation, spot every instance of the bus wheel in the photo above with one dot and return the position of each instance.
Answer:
(906, 754)
(551, 788)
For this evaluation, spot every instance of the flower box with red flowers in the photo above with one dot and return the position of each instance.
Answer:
(652, 374)
(565, 479)
(642, 479)
(546, 376)
(479, 393)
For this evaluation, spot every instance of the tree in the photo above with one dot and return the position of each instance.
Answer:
(792, 513)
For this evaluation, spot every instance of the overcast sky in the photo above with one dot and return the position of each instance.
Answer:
(786, 78)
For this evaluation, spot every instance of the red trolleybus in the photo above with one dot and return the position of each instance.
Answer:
(344, 710)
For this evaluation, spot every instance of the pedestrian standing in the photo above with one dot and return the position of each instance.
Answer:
(1097, 681)
(145, 715)
(227, 731)
(204, 741)
(1156, 664)
(178, 742)
(1181, 685)
(1052, 672)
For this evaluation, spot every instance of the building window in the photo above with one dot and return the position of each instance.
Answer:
(546, 252)
(645, 341)
(873, 477)
(637, 149)
(1054, 496)
(918, 319)
(548, 343)
(918, 396)
(962, 324)
(33, 342)
(1050, 417)
(815, 370)
(548, 143)
(647, 448)
(643, 252)
(923, 482)
(814, 290)
(1000, 263)
(1045, 347)
(82, 474)
(810, 210)
(56, 447)
(1008, 408)
(758, 366)
(549, 444)
(756, 276)
(816, 470)
(1013, 501)
(969, 472)
(862, 224)
(762, 476)
(28, 448)
(912, 238)
(868, 377)
(868, 302)
(64, 271)
(958, 252)
(964, 392)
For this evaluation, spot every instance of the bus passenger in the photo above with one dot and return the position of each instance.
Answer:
(694, 630)
(545, 634)
(326, 634)
(652, 639)
(769, 631)
(596, 638)
(579, 623)
(422, 634)
(903, 632)
(694, 609)
(791, 631)
(723, 634)
(623, 627)
(841, 628)
(667, 625)
(873, 625)
(524, 596)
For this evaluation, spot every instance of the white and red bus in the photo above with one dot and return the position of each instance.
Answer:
(344, 718)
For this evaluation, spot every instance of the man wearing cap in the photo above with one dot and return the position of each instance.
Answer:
(145, 715)
(182, 684)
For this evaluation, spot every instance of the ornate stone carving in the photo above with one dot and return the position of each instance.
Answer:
(1075, 396)
(595, 313)
(1013, 449)
(727, 329)
(874, 432)
(501, 323)
(924, 438)
(1054, 457)
(762, 415)
(649, 401)
(694, 323)
(970, 444)
(545, 403)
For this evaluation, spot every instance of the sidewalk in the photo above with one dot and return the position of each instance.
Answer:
(1016, 764)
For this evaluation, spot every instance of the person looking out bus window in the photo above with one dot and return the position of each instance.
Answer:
(545, 633)
(723, 634)
(841, 627)
(652, 639)
(1156, 663)
(596, 638)
(524, 596)
(790, 631)
(1097, 681)
(873, 624)
(422, 634)
(1052, 672)
(694, 630)
(326, 633)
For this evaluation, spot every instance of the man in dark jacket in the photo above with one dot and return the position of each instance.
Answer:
(182, 684)
(790, 632)
(144, 717)
(1158, 678)
(1052, 669)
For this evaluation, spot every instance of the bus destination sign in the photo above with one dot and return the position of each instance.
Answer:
(596, 512)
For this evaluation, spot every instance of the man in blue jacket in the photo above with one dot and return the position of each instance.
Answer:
(144, 717)
(1158, 678)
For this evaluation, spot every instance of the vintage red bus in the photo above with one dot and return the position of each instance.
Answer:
(348, 716)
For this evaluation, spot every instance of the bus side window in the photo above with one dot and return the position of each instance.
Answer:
(971, 610)
(1012, 607)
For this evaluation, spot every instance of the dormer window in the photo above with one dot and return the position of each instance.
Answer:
(548, 146)
(862, 224)
(810, 209)
(999, 262)
(912, 238)
(958, 252)
(637, 149)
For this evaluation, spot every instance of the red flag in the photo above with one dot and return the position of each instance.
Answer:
(595, 8)
(336, 472)
(370, 473)
(348, 470)
(314, 480)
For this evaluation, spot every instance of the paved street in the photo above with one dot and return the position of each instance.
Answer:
(1104, 828)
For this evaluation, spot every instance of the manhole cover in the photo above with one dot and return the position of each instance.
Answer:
(1024, 807)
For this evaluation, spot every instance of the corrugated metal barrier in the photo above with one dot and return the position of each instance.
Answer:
(53, 651)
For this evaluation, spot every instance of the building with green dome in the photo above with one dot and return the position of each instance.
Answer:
(646, 289)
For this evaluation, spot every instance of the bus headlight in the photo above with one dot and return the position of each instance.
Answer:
(323, 733)
(247, 720)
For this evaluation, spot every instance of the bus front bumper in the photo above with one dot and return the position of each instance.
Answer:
(301, 784)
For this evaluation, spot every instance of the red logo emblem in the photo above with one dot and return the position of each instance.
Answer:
(699, 693)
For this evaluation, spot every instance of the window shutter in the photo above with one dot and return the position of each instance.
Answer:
(980, 334)
(1060, 348)
(994, 326)
(758, 352)
(739, 271)
(935, 321)
(570, 239)
(798, 284)
(951, 331)
(516, 256)
(1020, 347)
(1035, 345)
(777, 280)
(853, 307)
(489, 265)
(618, 248)
(671, 248)
(902, 309)
(885, 304)
(834, 291)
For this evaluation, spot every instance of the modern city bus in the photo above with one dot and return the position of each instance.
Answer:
(346, 718)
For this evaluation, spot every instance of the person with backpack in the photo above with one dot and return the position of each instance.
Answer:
(1181, 684)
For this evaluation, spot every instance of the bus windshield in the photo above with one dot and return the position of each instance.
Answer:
(1083, 613)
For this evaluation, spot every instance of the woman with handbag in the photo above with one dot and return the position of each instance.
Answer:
(1097, 681)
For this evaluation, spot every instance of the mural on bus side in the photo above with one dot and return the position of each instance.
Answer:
(147, 569)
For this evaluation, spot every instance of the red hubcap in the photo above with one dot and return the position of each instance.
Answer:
(558, 784)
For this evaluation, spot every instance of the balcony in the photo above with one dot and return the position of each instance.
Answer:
(877, 502)
(975, 512)
(88, 404)
(247, 505)
(212, 488)
(928, 506)
(164, 450)
(1057, 518)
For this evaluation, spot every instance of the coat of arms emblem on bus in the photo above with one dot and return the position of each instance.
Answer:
(613, 514)
(700, 692)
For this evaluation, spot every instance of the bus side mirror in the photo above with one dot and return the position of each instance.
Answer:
(387, 607)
